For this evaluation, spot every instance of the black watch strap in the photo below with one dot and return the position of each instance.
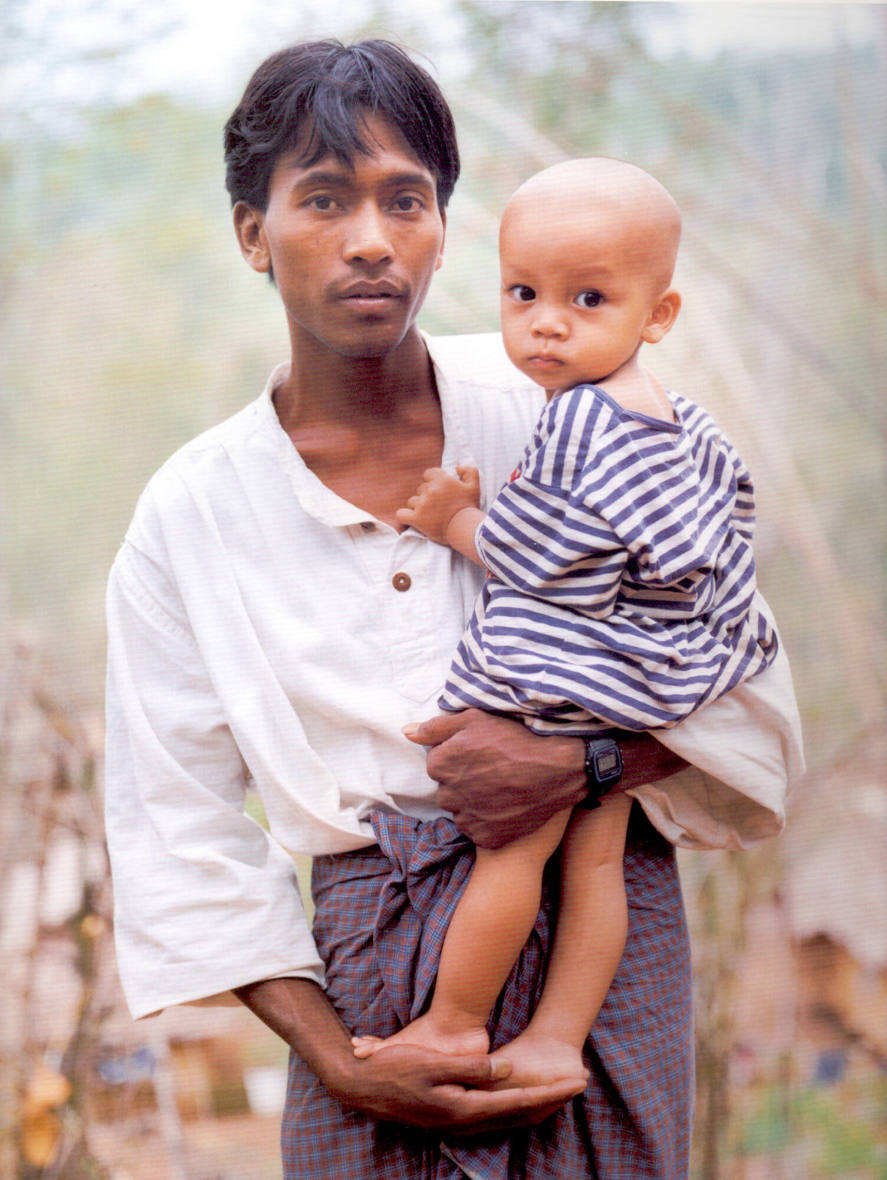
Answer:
(603, 769)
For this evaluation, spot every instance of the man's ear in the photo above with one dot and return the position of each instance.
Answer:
(662, 316)
(249, 226)
(443, 218)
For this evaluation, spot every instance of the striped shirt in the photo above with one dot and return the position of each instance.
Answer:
(621, 573)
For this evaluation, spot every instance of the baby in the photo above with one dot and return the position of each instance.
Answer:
(619, 595)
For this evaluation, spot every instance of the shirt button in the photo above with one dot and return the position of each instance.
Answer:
(401, 581)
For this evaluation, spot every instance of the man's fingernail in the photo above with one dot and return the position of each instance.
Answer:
(410, 730)
(499, 1068)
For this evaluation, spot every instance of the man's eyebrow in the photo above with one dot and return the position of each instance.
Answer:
(317, 176)
(312, 176)
(420, 179)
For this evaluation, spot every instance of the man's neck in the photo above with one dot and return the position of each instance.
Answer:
(368, 428)
(325, 389)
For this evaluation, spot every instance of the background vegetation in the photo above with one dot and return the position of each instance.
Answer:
(130, 323)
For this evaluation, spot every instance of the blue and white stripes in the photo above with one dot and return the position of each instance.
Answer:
(621, 573)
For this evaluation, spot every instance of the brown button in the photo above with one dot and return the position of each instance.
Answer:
(401, 581)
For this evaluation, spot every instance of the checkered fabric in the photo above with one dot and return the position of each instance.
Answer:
(380, 921)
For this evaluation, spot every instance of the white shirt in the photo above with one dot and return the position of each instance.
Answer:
(260, 636)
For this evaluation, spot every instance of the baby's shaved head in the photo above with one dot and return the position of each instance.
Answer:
(585, 190)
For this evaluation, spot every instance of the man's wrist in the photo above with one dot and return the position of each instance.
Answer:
(567, 754)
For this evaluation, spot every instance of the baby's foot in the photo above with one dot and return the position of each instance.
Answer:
(428, 1034)
(536, 1060)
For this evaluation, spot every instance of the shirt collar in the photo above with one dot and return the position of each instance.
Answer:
(315, 498)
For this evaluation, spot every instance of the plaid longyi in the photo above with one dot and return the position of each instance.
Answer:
(381, 916)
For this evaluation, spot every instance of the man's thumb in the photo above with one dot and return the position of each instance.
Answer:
(435, 730)
(412, 731)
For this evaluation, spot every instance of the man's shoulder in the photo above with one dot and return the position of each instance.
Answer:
(200, 456)
(483, 387)
(478, 358)
(200, 471)
(489, 405)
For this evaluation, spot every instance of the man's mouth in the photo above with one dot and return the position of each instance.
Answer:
(371, 294)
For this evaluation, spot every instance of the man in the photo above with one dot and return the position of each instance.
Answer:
(271, 625)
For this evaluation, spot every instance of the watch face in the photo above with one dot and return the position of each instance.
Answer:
(603, 766)
(607, 763)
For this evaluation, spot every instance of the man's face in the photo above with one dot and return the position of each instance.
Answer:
(352, 247)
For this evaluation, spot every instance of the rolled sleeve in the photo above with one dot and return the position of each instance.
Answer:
(205, 899)
(746, 755)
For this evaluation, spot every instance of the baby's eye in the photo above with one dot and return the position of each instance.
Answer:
(522, 293)
(589, 298)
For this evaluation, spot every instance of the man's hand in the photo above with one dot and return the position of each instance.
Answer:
(500, 780)
(408, 1084)
(402, 1083)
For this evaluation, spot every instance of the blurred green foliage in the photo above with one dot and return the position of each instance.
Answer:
(827, 1135)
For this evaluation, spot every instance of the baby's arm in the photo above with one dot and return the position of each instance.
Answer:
(445, 508)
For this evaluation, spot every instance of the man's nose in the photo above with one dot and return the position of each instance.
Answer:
(368, 239)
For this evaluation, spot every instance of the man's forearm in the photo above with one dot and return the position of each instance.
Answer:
(299, 1012)
(645, 760)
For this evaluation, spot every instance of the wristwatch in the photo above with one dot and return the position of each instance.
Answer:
(603, 769)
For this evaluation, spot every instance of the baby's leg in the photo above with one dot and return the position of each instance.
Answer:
(591, 930)
(489, 927)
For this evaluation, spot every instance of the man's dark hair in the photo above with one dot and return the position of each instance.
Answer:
(327, 88)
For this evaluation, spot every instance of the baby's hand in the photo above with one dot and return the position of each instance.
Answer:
(438, 498)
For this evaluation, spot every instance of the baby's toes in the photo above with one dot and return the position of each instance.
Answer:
(365, 1046)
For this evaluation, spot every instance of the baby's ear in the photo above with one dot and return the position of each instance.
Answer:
(663, 315)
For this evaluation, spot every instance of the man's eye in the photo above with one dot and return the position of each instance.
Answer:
(521, 293)
(589, 298)
(408, 204)
(321, 202)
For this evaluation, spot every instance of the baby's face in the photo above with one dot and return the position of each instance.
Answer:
(578, 290)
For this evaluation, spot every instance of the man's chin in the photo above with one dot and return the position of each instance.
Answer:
(372, 345)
